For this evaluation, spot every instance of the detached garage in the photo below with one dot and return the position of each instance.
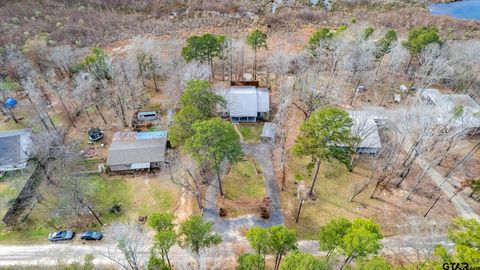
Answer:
(137, 150)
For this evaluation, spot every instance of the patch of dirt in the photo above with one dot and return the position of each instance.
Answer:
(240, 206)
(184, 208)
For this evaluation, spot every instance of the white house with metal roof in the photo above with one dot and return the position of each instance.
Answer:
(137, 150)
(245, 103)
(14, 149)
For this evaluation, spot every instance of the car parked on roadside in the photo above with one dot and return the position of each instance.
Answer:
(91, 235)
(61, 236)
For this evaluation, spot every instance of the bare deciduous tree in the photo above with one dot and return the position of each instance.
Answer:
(132, 243)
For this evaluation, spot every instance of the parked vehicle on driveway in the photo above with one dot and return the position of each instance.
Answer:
(61, 236)
(91, 235)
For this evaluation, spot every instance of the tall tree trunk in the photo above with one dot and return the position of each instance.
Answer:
(255, 64)
(45, 96)
(154, 75)
(12, 115)
(212, 68)
(88, 115)
(310, 192)
(433, 205)
(219, 183)
(101, 114)
(66, 111)
(95, 215)
(299, 210)
(408, 65)
(466, 157)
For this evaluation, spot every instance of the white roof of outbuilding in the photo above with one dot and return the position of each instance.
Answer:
(365, 128)
(445, 103)
(243, 101)
(269, 130)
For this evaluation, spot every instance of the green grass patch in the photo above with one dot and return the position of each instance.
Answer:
(137, 196)
(243, 182)
(11, 125)
(24, 236)
(251, 132)
(108, 192)
(332, 189)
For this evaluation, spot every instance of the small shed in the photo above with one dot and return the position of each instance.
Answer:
(14, 149)
(268, 131)
(137, 150)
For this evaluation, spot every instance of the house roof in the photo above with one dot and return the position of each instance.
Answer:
(137, 147)
(246, 101)
(14, 147)
(445, 103)
(365, 127)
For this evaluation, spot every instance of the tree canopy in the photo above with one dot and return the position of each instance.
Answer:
(257, 39)
(368, 32)
(317, 37)
(198, 234)
(331, 234)
(302, 261)
(420, 37)
(198, 104)
(198, 94)
(203, 48)
(248, 261)
(258, 239)
(358, 238)
(374, 263)
(384, 45)
(466, 237)
(213, 141)
(161, 221)
(280, 241)
(326, 135)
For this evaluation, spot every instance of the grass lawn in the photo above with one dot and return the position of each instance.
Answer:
(251, 132)
(139, 196)
(242, 181)
(244, 188)
(333, 190)
(11, 125)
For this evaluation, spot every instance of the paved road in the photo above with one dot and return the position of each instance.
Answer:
(229, 227)
(51, 254)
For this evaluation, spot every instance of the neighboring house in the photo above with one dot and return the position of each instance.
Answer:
(137, 150)
(365, 127)
(445, 103)
(245, 103)
(14, 149)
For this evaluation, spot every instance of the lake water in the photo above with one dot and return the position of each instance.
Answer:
(466, 9)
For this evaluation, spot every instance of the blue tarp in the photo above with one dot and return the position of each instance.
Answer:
(10, 103)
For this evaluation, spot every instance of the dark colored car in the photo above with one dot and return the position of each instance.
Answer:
(61, 235)
(91, 235)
